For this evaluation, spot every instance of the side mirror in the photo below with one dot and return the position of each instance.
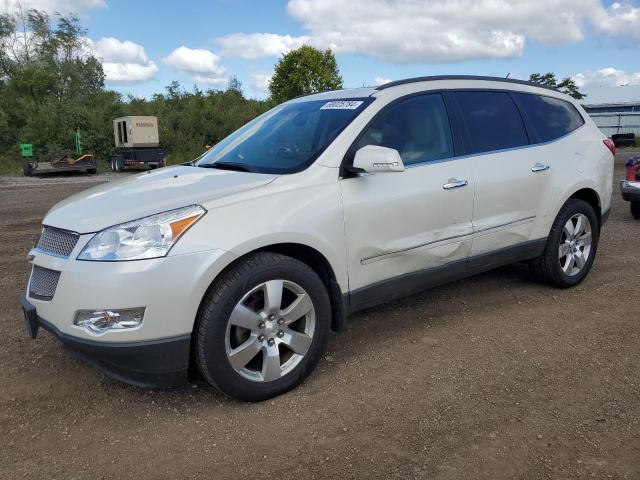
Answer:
(373, 159)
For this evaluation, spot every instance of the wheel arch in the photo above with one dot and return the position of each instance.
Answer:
(590, 196)
(319, 264)
(311, 257)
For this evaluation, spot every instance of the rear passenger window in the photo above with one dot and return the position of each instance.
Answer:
(492, 120)
(417, 127)
(548, 118)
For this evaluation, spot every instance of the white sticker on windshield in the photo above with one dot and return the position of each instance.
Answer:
(342, 105)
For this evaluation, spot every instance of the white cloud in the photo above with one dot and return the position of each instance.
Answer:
(260, 81)
(123, 62)
(455, 30)
(113, 50)
(618, 18)
(606, 77)
(381, 81)
(128, 73)
(258, 45)
(52, 6)
(195, 60)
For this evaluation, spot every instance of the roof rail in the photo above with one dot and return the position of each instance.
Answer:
(434, 78)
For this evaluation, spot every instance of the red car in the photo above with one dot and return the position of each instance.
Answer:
(630, 186)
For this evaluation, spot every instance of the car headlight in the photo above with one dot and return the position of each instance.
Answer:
(149, 237)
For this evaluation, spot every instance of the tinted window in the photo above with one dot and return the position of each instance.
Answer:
(286, 139)
(548, 118)
(417, 127)
(492, 120)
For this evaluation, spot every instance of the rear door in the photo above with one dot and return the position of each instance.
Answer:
(400, 223)
(512, 182)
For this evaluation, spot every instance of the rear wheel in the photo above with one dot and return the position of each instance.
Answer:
(262, 327)
(635, 210)
(571, 246)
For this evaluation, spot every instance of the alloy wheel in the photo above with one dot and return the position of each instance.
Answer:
(575, 244)
(270, 330)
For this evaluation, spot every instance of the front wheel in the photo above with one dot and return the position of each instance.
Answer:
(263, 327)
(635, 210)
(571, 246)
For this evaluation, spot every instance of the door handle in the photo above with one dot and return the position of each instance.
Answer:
(539, 167)
(453, 183)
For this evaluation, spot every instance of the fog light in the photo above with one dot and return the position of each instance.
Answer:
(99, 321)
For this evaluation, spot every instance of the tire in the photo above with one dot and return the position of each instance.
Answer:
(27, 170)
(635, 210)
(92, 171)
(242, 291)
(568, 270)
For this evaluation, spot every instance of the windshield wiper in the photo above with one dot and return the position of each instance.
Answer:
(238, 167)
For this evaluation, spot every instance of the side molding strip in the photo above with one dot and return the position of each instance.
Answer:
(382, 256)
(410, 283)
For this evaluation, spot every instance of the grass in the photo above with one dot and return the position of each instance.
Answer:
(10, 166)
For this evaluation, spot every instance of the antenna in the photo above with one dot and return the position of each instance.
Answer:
(508, 75)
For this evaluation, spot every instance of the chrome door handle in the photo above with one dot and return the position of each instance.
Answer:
(539, 167)
(453, 183)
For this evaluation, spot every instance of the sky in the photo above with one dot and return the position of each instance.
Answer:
(145, 44)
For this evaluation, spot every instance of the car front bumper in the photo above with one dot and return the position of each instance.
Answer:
(170, 289)
(155, 363)
(630, 190)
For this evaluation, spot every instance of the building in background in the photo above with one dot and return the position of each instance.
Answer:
(614, 110)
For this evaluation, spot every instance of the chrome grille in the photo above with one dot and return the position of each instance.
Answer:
(43, 282)
(57, 242)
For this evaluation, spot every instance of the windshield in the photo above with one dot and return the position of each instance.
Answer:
(286, 139)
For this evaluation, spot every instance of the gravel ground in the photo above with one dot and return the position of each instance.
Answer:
(491, 377)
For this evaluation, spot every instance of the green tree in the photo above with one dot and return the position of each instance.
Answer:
(234, 85)
(303, 71)
(566, 85)
(47, 81)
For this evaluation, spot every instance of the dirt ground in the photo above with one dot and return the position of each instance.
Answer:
(491, 377)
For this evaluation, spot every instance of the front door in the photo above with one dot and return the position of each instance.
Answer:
(400, 223)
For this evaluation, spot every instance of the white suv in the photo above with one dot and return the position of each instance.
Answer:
(239, 265)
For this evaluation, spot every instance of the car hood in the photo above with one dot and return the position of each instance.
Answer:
(148, 193)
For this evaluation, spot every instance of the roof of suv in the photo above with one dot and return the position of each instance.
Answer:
(368, 91)
(434, 78)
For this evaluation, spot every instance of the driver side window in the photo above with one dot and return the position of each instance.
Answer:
(417, 127)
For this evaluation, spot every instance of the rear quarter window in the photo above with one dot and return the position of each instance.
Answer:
(548, 118)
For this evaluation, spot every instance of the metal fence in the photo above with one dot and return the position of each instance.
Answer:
(612, 123)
